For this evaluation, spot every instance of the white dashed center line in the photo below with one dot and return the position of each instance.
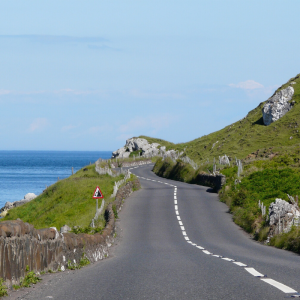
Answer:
(284, 288)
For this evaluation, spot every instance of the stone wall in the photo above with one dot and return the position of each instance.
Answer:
(46, 249)
(213, 181)
(126, 164)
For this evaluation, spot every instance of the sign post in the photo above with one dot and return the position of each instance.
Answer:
(97, 195)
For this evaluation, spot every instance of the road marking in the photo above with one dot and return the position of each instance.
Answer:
(228, 259)
(284, 288)
(239, 264)
(253, 272)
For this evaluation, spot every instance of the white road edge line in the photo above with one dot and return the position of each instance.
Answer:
(284, 288)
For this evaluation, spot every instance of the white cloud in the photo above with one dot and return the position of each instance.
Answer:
(75, 92)
(4, 92)
(38, 124)
(247, 85)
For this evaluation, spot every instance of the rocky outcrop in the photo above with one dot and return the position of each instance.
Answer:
(9, 205)
(278, 105)
(282, 216)
(137, 144)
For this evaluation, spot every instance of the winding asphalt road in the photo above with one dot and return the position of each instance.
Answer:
(179, 242)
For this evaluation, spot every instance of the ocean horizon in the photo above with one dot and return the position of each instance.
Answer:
(30, 171)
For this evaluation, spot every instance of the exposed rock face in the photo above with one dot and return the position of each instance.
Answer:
(278, 105)
(135, 144)
(9, 205)
(282, 216)
(30, 196)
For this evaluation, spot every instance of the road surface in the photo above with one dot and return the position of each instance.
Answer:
(178, 241)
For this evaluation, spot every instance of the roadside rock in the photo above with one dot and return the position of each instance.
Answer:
(278, 105)
(282, 216)
(136, 144)
(65, 229)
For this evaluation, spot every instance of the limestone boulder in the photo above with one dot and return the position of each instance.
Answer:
(282, 216)
(136, 144)
(278, 105)
(30, 196)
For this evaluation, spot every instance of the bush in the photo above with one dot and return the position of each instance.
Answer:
(114, 208)
(3, 288)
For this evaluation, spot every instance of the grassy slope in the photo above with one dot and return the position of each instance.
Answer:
(248, 135)
(272, 172)
(151, 140)
(68, 201)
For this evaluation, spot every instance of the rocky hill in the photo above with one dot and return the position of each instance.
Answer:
(271, 128)
(260, 157)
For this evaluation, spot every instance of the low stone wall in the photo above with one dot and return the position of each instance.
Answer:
(213, 181)
(125, 192)
(131, 164)
(22, 245)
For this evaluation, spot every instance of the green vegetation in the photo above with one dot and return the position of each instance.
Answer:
(271, 163)
(136, 153)
(178, 171)
(84, 261)
(247, 135)
(151, 140)
(3, 288)
(288, 241)
(28, 280)
(263, 180)
(114, 208)
(68, 201)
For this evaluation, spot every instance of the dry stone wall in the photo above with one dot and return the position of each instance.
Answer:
(22, 245)
(213, 181)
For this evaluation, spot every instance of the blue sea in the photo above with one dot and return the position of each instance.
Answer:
(23, 172)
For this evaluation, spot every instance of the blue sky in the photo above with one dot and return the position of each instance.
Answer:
(86, 75)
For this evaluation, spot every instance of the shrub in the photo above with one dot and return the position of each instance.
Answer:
(3, 288)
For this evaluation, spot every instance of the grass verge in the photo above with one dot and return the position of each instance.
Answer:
(68, 201)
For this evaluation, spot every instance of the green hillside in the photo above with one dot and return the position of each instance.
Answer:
(271, 167)
(247, 135)
(68, 201)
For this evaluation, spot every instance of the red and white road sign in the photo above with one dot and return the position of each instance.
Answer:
(97, 194)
